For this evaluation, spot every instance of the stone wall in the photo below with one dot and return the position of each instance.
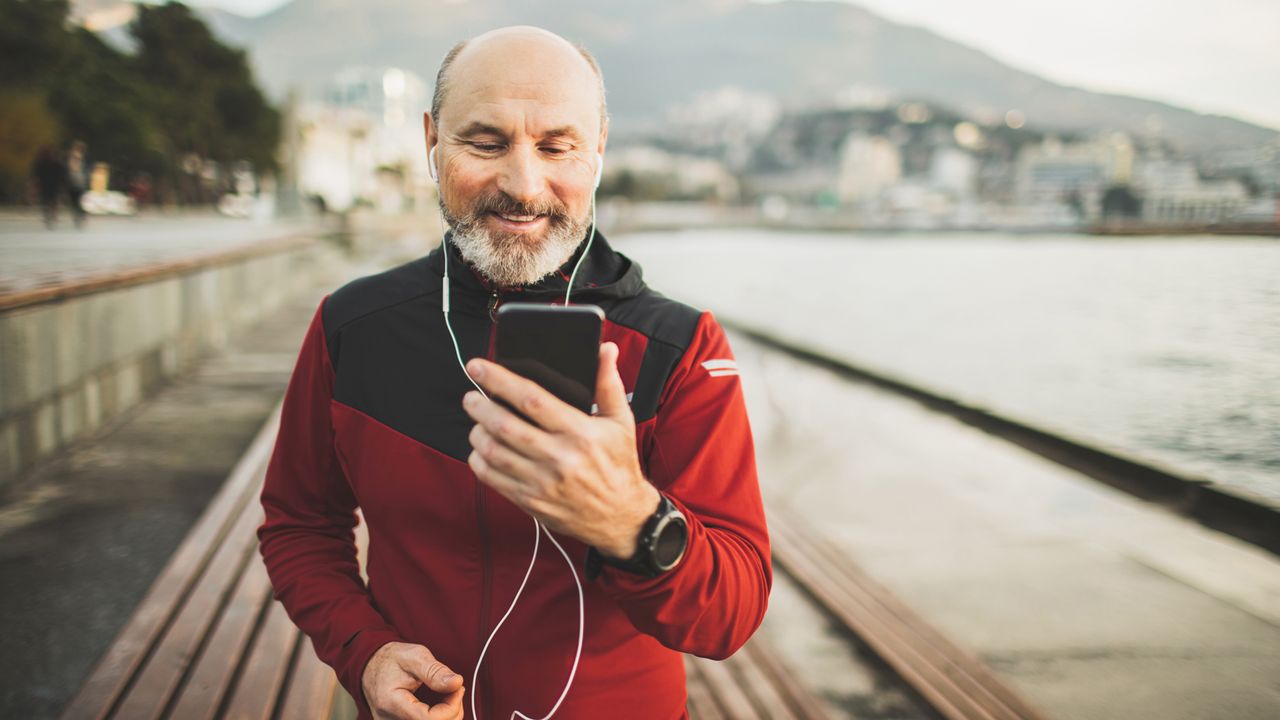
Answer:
(71, 362)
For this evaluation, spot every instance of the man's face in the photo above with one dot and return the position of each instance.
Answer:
(518, 136)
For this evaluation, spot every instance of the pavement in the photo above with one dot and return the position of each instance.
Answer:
(31, 255)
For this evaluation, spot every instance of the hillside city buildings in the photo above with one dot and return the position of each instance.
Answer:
(863, 157)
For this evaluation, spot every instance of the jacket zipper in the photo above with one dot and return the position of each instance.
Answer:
(486, 560)
(494, 301)
(486, 570)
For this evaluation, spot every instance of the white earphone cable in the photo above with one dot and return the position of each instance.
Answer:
(585, 250)
(538, 526)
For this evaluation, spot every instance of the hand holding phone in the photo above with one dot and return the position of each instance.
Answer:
(579, 476)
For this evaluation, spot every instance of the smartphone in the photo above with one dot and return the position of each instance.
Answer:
(556, 346)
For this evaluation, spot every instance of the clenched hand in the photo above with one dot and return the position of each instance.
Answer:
(396, 670)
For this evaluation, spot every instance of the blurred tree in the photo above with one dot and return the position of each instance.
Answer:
(1074, 199)
(183, 95)
(34, 43)
(622, 184)
(1119, 203)
(34, 48)
(204, 98)
(26, 125)
(250, 127)
(105, 104)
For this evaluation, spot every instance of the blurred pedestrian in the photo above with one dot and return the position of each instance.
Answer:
(140, 189)
(49, 174)
(77, 179)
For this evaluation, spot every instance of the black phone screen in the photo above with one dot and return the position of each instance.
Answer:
(557, 347)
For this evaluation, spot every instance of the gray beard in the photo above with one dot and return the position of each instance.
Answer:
(507, 259)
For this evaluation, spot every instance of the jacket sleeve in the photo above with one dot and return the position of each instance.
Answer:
(307, 540)
(703, 458)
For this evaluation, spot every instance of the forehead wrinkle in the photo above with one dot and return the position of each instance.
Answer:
(529, 91)
(542, 119)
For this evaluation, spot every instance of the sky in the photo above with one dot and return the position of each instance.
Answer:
(1208, 55)
(1218, 56)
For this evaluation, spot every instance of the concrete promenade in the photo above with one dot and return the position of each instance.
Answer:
(31, 256)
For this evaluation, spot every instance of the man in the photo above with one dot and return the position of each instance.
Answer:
(380, 414)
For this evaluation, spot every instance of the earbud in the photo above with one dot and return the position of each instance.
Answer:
(431, 164)
(599, 169)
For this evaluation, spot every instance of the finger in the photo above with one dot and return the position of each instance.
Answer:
(525, 395)
(509, 487)
(404, 705)
(512, 430)
(421, 664)
(501, 456)
(449, 709)
(611, 395)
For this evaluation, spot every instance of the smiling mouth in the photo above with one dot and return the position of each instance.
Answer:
(518, 222)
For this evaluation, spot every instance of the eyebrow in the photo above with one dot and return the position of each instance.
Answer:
(480, 128)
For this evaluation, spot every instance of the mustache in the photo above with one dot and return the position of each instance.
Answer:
(503, 203)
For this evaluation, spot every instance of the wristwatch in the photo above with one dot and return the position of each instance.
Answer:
(659, 547)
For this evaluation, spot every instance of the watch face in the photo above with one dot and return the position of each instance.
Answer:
(672, 539)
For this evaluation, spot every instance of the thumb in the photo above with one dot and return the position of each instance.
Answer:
(431, 672)
(611, 396)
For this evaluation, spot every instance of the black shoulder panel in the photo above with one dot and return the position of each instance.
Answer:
(371, 293)
(670, 326)
(393, 359)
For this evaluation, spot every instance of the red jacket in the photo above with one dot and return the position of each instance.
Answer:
(372, 418)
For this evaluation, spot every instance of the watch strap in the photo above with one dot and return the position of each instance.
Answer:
(641, 563)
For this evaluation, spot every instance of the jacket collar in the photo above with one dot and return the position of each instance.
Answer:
(605, 275)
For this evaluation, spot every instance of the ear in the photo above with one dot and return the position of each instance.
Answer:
(429, 130)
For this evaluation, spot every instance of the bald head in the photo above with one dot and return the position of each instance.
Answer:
(518, 55)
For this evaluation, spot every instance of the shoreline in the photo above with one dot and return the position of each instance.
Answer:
(623, 216)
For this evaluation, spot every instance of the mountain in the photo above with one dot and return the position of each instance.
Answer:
(663, 52)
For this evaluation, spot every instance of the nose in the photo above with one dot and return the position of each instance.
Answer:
(522, 176)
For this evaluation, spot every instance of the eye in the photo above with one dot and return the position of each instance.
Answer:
(486, 147)
(555, 150)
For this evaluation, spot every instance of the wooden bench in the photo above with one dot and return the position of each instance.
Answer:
(750, 685)
(209, 642)
(954, 682)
